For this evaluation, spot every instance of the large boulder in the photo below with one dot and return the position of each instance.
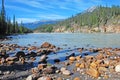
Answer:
(20, 54)
(47, 45)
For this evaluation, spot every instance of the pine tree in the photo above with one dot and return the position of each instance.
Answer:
(3, 19)
(14, 26)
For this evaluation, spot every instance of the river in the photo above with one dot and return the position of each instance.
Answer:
(66, 40)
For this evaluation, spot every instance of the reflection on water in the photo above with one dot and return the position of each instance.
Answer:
(70, 39)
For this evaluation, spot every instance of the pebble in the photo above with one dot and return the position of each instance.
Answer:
(57, 71)
(59, 78)
(117, 68)
(62, 69)
(0, 72)
(6, 72)
(76, 78)
(66, 72)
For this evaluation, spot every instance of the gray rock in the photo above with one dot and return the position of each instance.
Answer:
(43, 58)
(29, 77)
(57, 71)
(1, 72)
(66, 72)
(6, 72)
(63, 69)
(48, 70)
(117, 68)
(42, 78)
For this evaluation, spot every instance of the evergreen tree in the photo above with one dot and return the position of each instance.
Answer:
(14, 26)
(3, 19)
(6, 27)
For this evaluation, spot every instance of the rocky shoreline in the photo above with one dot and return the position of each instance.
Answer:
(18, 63)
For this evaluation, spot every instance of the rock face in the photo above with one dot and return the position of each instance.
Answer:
(117, 68)
(47, 45)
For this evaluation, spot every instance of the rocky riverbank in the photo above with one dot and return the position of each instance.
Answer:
(19, 63)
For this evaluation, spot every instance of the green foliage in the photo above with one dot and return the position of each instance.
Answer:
(96, 18)
(45, 28)
(6, 27)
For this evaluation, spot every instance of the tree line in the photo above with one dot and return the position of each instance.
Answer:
(7, 27)
(100, 16)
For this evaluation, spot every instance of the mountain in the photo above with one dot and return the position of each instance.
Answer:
(36, 24)
(94, 19)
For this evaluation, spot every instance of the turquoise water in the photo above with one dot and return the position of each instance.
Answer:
(66, 40)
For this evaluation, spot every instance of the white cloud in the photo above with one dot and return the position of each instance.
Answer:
(52, 16)
(18, 8)
(26, 20)
(41, 17)
(34, 3)
(49, 9)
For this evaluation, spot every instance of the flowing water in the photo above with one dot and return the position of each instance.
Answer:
(68, 41)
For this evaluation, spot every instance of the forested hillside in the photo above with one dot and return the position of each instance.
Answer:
(8, 27)
(96, 19)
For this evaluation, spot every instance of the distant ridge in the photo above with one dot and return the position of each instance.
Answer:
(94, 19)
(36, 24)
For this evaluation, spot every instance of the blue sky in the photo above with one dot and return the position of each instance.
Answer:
(35, 10)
